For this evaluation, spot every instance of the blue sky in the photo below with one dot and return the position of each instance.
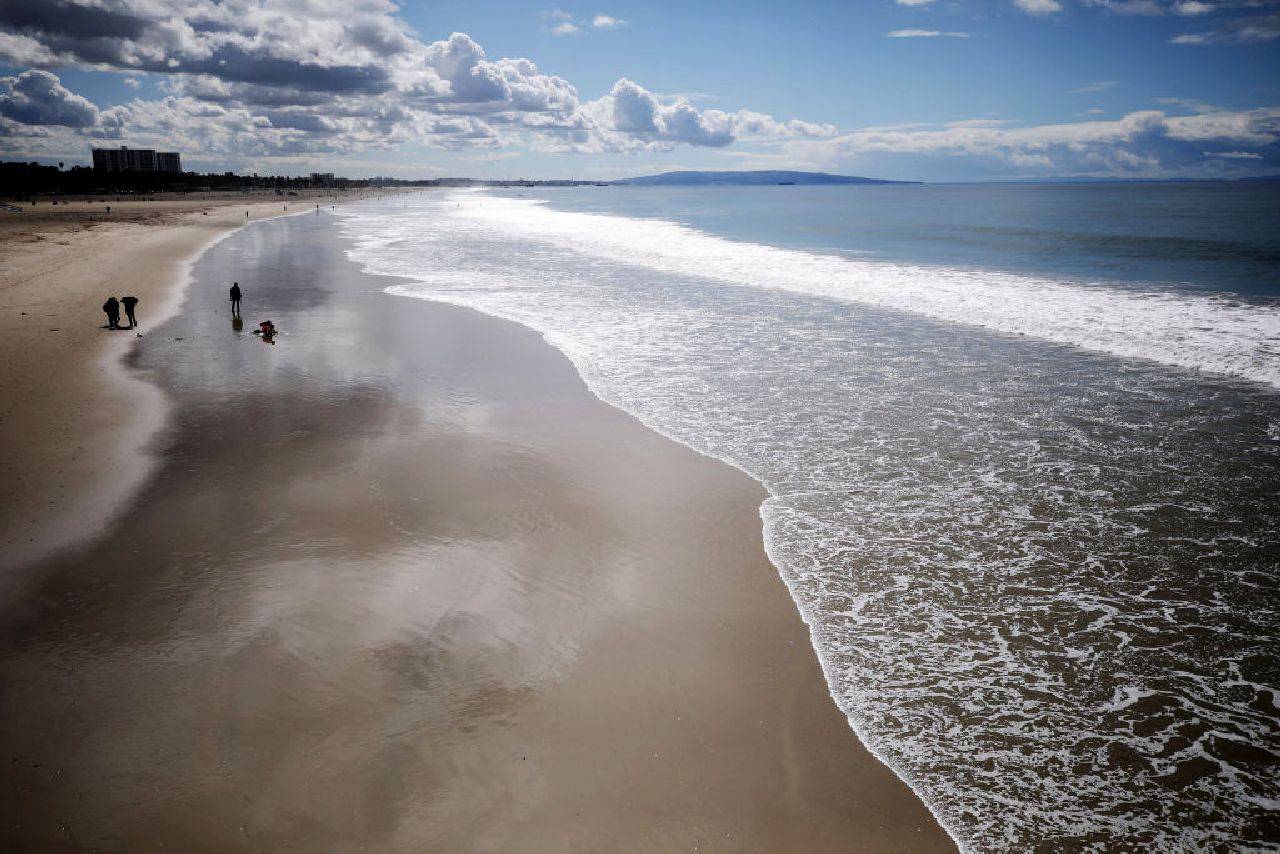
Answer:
(940, 90)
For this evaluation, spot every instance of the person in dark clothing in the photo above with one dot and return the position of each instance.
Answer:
(112, 308)
(235, 297)
(130, 303)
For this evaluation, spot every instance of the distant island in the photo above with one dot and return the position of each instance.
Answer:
(747, 179)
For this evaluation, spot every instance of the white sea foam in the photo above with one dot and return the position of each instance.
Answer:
(1188, 331)
(1033, 579)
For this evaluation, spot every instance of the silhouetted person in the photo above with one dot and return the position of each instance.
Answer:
(112, 308)
(235, 297)
(130, 303)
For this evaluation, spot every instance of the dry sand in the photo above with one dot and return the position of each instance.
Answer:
(401, 583)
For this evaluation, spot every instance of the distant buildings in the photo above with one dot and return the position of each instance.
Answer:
(323, 179)
(126, 159)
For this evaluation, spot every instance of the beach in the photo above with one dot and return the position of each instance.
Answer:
(74, 422)
(396, 581)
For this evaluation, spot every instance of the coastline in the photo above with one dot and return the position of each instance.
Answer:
(76, 425)
(645, 612)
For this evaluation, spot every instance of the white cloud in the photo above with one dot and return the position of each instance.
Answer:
(566, 28)
(913, 2)
(632, 118)
(39, 98)
(1192, 7)
(1139, 143)
(607, 22)
(1236, 155)
(291, 79)
(1038, 7)
(132, 82)
(285, 78)
(924, 34)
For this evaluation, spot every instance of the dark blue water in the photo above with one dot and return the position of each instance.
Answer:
(1202, 236)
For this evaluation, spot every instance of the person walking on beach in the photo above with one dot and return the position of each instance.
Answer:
(235, 297)
(112, 308)
(130, 303)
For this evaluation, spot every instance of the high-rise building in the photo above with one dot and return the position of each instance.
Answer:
(125, 159)
(168, 161)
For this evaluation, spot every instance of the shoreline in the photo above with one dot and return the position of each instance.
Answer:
(71, 488)
(665, 705)
(584, 375)
(810, 628)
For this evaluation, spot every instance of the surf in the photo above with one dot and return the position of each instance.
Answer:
(1213, 333)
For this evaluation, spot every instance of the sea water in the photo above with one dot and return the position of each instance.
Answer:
(1022, 445)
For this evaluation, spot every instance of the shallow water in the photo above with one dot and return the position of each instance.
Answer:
(1036, 551)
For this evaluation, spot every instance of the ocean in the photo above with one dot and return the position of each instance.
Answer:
(1022, 444)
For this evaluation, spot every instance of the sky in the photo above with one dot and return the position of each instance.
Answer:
(935, 90)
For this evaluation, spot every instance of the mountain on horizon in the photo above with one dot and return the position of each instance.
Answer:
(748, 179)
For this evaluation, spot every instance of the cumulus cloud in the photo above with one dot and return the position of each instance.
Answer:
(281, 77)
(566, 28)
(632, 118)
(39, 98)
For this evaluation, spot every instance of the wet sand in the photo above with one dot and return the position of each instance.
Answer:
(69, 416)
(398, 582)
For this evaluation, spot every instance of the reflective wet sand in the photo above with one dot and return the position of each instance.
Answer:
(400, 582)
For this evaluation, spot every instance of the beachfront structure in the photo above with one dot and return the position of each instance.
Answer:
(125, 159)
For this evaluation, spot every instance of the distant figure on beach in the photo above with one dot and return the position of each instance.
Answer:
(130, 303)
(235, 297)
(112, 308)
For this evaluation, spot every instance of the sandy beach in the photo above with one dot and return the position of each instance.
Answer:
(74, 422)
(396, 582)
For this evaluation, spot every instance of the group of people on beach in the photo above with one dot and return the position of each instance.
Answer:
(112, 308)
